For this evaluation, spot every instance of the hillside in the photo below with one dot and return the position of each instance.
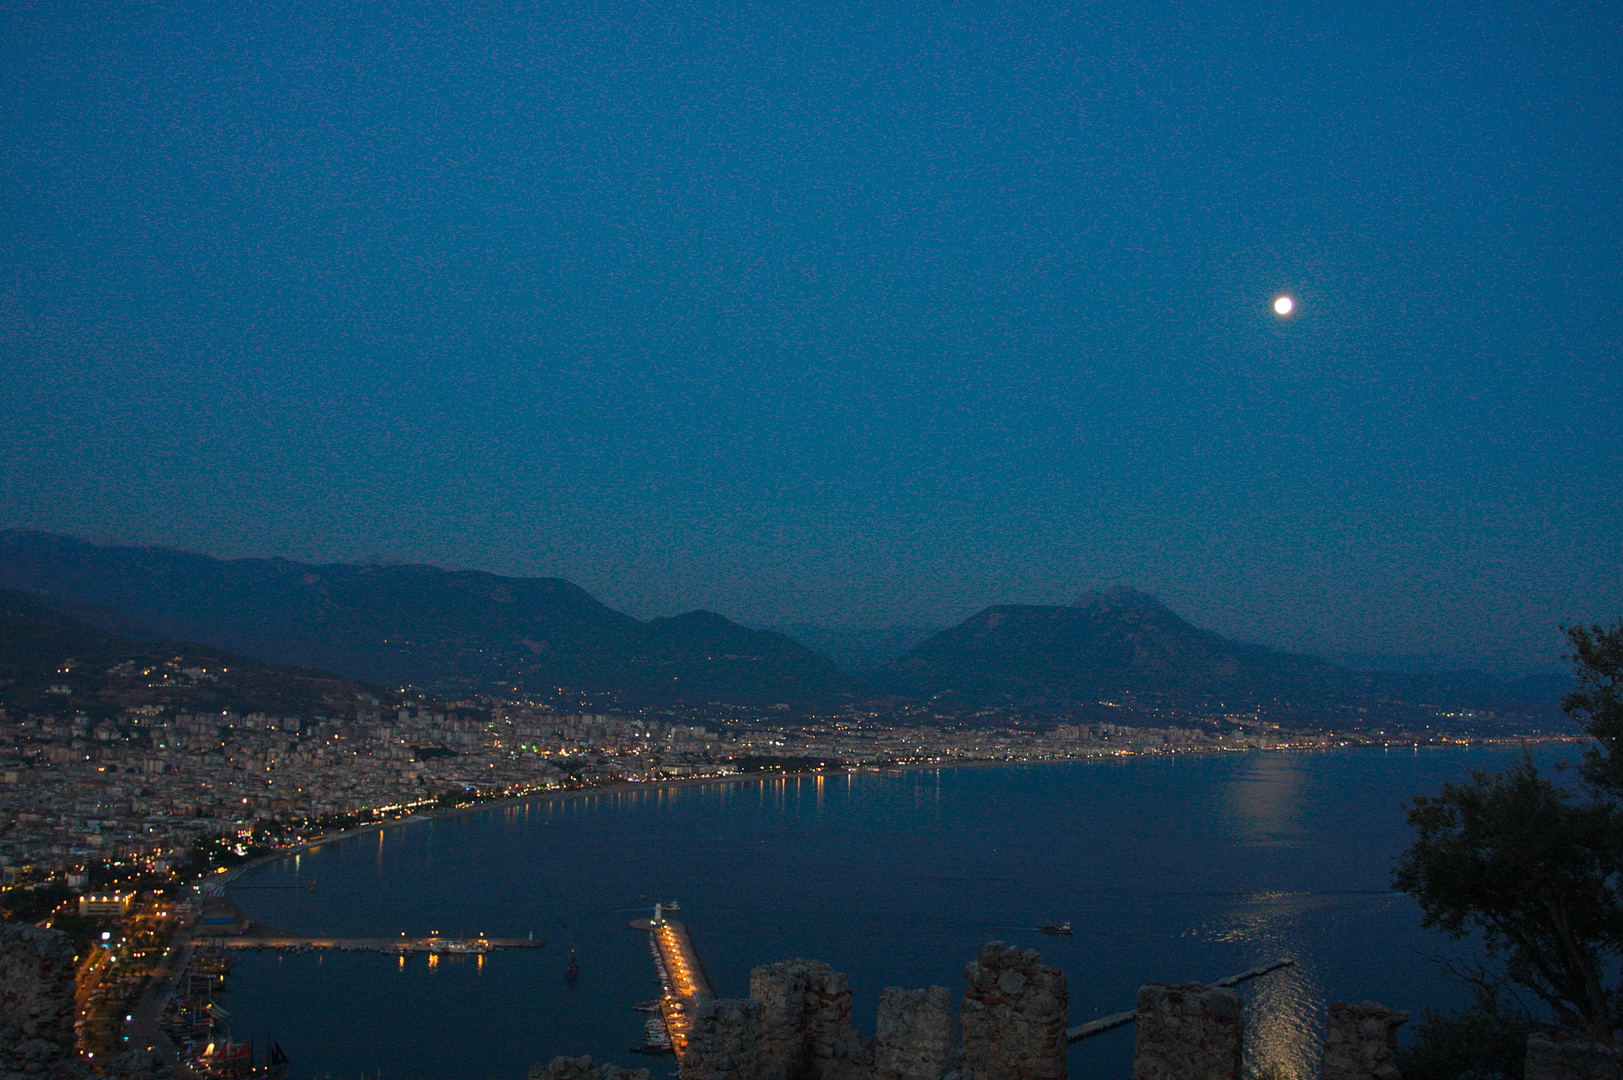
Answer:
(456, 632)
(1121, 641)
(1106, 644)
(56, 665)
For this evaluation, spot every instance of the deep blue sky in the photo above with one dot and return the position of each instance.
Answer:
(849, 314)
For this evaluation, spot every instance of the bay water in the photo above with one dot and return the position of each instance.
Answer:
(1171, 868)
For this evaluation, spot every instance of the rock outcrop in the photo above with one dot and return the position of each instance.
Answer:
(1571, 1059)
(916, 1035)
(1361, 1041)
(583, 1068)
(1188, 1032)
(36, 1002)
(725, 1042)
(806, 1023)
(1014, 1015)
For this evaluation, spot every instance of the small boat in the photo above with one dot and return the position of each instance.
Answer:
(656, 1040)
(572, 969)
(1063, 929)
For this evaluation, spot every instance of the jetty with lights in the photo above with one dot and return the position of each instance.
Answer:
(683, 984)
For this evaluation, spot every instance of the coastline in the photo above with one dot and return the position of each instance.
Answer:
(559, 1017)
(677, 782)
(674, 782)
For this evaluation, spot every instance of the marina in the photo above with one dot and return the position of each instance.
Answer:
(683, 983)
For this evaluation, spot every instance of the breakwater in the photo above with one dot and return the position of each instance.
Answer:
(684, 986)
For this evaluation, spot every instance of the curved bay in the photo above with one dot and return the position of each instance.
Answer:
(1171, 868)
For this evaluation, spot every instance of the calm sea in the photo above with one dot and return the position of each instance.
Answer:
(1171, 869)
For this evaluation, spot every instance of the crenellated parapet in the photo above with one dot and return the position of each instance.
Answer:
(806, 1023)
(1187, 1032)
(725, 1041)
(1011, 1024)
(583, 1068)
(1361, 1042)
(916, 1036)
(1014, 1016)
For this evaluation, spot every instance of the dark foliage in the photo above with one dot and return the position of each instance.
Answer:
(1521, 861)
(32, 904)
(1534, 867)
(1597, 703)
(1485, 1042)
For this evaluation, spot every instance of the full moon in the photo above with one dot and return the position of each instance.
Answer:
(1284, 306)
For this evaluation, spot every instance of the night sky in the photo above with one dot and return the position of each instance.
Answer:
(840, 314)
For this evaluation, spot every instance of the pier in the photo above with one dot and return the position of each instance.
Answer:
(1122, 1019)
(223, 925)
(682, 980)
(402, 946)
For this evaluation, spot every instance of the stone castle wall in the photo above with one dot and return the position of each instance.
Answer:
(1014, 1016)
(1188, 1032)
(583, 1068)
(1571, 1059)
(1361, 1042)
(916, 1037)
(36, 1003)
(725, 1043)
(806, 1029)
(1012, 1025)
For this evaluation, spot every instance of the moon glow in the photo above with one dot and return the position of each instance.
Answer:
(1284, 306)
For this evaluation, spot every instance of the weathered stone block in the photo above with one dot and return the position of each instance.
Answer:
(1187, 1032)
(1014, 1016)
(583, 1068)
(725, 1042)
(1571, 1059)
(806, 1023)
(917, 1035)
(1360, 1042)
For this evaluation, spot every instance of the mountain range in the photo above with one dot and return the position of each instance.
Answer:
(468, 632)
(457, 632)
(53, 663)
(1107, 643)
(1124, 642)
